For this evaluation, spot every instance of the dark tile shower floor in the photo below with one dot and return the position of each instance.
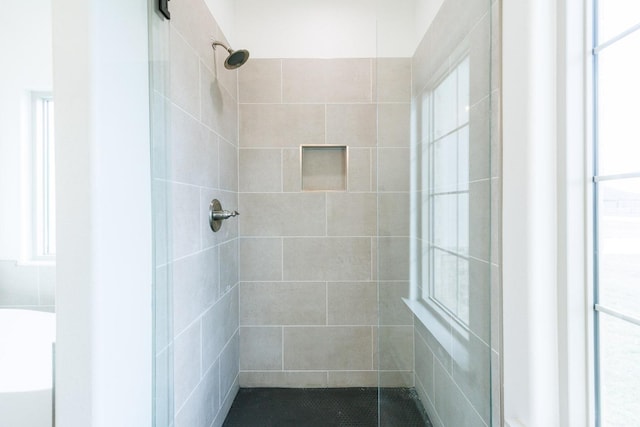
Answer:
(330, 407)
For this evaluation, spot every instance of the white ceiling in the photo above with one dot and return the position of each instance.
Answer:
(325, 28)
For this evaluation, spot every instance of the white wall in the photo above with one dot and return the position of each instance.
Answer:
(101, 79)
(330, 28)
(530, 223)
(26, 66)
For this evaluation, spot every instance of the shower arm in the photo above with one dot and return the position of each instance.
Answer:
(216, 43)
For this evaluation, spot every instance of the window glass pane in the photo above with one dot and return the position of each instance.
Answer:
(445, 222)
(619, 245)
(445, 162)
(619, 372)
(618, 107)
(445, 279)
(616, 16)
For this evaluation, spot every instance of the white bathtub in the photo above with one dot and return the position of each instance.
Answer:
(26, 338)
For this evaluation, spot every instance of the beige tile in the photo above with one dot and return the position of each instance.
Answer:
(393, 310)
(304, 80)
(393, 258)
(260, 349)
(349, 80)
(392, 217)
(393, 169)
(352, 303)
(359, 169)
(480, 140)
(228, 166)
(274, 126)
(479, 299)
(193, 151)
(203, 404)
(229, 366)
(284, 379)
(352, 124)
(480, 60)
(228, 265)
(219, 108)
(442, 346)
(351, 214)
(496, 46)
(473, 374)
(186, 362)
(260, 259)
(219, 325)
(353, 378)
(393, 79)
(185, 76)
(480, 220)
(424, 366)
(327, 80)
(452, 405)
(291, 178)
(260, 81)
(195, 286)
(332, 258)
(260, 170)
(396, 348)
(277, 303)
(192, 19)
(394, 125)
(185, 219)
(282, 214)
(332, 348)
(396, 379)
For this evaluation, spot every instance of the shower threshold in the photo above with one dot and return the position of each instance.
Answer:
(327, 407)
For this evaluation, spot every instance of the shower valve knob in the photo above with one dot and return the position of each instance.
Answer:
(224, 214)
(217, 215)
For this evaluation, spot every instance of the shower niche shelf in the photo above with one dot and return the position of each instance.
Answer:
(324, 167)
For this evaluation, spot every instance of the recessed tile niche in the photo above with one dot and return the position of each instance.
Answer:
(324, 167)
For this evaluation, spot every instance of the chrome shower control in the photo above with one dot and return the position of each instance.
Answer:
(217, 215)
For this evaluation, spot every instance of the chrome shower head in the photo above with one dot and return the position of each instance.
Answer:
(235, 59)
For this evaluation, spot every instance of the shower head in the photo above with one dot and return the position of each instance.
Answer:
(235, 59)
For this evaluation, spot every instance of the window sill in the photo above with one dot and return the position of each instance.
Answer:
(451, 338)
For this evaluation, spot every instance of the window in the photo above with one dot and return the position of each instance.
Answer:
(616, 186)
(445, 194)
(43, 179)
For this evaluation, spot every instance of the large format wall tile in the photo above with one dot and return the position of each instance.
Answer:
(327, 348)
(339, 258)
(283, 303)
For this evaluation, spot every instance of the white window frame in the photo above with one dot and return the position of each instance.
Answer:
(597, 308)
(428, 295)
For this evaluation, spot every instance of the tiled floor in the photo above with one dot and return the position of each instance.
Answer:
(332, 407)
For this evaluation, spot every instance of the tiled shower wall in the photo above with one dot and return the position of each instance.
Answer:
(195, 149)
(453, 375)
(308, 260)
